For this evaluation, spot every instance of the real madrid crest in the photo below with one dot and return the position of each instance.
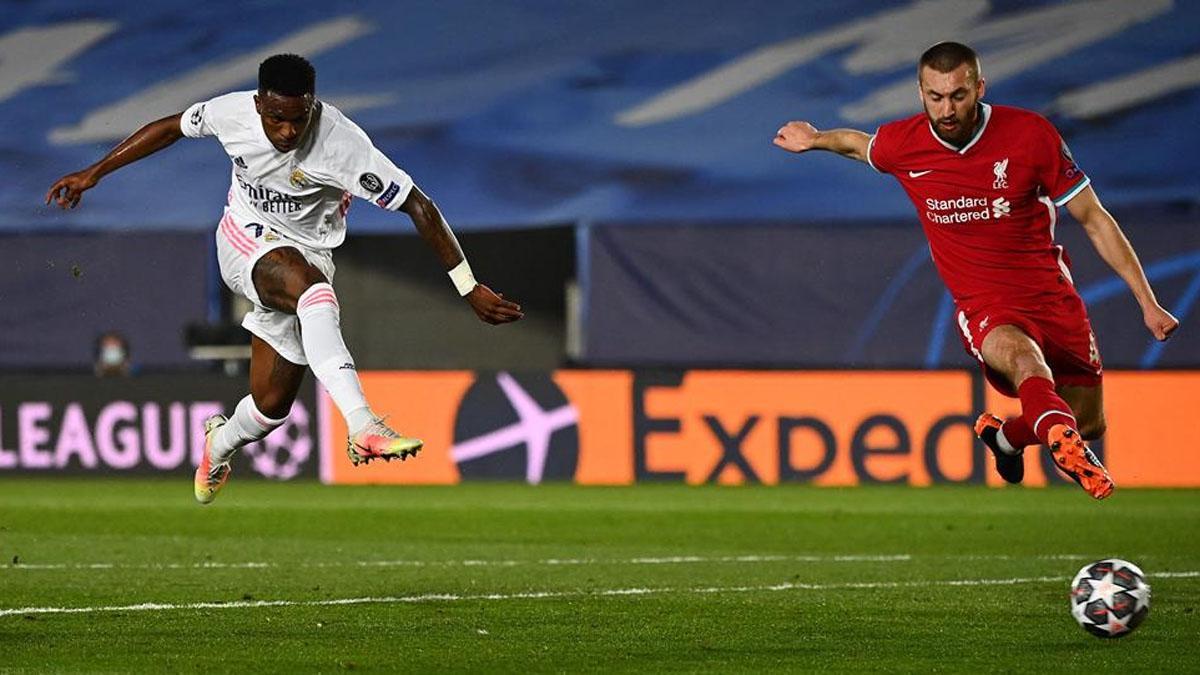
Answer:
(298, 179)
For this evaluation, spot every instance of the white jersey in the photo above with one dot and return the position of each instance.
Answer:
(303, 194)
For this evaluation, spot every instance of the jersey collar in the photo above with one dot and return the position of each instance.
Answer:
(985, 111)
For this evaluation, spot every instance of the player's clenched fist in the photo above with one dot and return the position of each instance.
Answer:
(796, 136)
(1160, 322)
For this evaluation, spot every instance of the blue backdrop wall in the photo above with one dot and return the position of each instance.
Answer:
(535, 111)
(641, 122)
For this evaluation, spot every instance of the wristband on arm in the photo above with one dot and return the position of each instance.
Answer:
(463, 278)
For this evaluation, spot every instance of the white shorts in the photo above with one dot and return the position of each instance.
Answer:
(239, 246)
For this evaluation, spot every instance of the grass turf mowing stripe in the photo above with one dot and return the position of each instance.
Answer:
(537, 595)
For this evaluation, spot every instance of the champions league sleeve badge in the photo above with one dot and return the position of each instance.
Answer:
(371, 183)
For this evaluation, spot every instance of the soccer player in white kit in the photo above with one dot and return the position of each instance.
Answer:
(297, 161)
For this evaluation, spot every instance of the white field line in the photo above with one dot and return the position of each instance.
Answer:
(537, 595)
(670, 560)
(667, 560)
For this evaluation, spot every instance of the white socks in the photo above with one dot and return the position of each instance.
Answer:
(321, 336)
(1005, 445)
(246, 425)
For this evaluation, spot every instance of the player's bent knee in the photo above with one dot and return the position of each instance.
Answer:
(274, 404)
(282, 275)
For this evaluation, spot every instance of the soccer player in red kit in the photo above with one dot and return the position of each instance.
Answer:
(987, 182)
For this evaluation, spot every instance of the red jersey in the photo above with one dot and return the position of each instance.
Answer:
(988, 208)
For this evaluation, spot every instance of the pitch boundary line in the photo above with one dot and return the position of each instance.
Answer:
(538, 595)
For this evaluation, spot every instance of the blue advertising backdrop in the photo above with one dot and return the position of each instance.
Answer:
(533, 111)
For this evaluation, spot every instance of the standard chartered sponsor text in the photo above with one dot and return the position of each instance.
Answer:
(958, 210)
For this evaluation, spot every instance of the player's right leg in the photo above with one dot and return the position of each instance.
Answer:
(1009, 351)
(286, 281)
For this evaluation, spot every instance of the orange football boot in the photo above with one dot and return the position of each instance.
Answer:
(1010, 467)
(1074, 458)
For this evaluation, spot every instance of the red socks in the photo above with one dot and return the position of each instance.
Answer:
(1041, 409)
(1018, 433)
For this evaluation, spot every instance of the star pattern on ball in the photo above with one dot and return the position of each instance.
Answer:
(1117, 626)
(1104, 589)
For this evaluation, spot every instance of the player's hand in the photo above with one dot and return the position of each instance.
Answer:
(1160, 322)
(796, 136)
(491, 307)
(67, 191)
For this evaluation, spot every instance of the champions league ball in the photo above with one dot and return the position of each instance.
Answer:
(1110, 598)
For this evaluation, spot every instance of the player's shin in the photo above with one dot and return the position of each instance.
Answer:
(246, 425)
(1048, 415)
(1042, 408)
(325, 349)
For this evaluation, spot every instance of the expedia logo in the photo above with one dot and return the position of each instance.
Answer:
(516, 426)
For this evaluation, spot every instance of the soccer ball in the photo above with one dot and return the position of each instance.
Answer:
(1110, 598)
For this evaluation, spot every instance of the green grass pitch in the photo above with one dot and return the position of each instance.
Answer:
(132, 576)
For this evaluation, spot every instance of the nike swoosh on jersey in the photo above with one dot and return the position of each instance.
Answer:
(918, 174)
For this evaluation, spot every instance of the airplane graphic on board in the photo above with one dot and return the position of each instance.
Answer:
(534, 427)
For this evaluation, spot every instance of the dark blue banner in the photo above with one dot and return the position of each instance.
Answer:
(849, 296)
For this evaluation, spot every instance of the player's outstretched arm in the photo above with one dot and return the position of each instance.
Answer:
(489, 306)
(1115, 249)
(802, 137)
(151, 138)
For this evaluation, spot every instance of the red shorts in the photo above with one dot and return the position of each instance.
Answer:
(1060, 327)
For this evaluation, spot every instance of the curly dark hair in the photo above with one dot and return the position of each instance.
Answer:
(287, 74)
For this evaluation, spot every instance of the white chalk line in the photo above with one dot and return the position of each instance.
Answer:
(538, 595)
(664, 560)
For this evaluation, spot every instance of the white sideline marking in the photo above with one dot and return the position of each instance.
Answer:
(537, 595)
(671, 560)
